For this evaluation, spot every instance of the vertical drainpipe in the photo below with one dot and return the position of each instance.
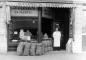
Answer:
(39, 23)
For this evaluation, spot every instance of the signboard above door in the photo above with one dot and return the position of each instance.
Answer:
(31, 12)
(62, 1)
(20, 12)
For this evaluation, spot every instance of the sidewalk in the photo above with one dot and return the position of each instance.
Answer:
(54, 55)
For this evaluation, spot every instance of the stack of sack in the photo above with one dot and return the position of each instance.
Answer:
(47, 45)
(33, 48)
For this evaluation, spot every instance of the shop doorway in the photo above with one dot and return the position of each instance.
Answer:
(62, 17)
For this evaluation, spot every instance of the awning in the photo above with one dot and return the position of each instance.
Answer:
(62, 1)
(27, 4)
(51, 1)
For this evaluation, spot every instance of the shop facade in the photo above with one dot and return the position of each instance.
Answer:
(76, 25)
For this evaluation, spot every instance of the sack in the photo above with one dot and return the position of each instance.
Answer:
(43, 49)
(27, 48)
(45, 43)
(50, 48)
(49, 45)
(33, 48)
(20, 48)
(69, 45)
(39, 49)
(46, 49)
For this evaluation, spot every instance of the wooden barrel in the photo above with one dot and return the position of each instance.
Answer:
(33, 48)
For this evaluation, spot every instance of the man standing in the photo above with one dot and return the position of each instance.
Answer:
(21, 34)
(56, 36)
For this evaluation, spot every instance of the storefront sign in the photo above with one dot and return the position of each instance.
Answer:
(18, 12)
(31, 12)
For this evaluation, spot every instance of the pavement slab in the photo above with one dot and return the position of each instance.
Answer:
(53, 55)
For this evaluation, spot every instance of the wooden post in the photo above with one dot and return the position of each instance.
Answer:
(73, 21)
(39, 23)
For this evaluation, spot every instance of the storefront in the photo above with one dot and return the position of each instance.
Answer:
(26, 18)
(22, 11)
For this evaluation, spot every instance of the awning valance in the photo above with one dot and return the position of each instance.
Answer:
(51, 1)
(62, 1)
(24, 4)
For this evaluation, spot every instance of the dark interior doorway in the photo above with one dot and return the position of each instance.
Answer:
(62, 17)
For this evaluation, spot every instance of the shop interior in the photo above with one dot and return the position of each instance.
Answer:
(61, 16)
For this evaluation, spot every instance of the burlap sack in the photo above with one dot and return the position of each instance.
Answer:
(27, 48)
(45, 43)
(39, 49)
(69, 45)
(43, 49)
(33, 48)
(49, 45)
(20, 48)
(50, 48)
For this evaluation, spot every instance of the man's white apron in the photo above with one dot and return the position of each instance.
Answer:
(56, 36)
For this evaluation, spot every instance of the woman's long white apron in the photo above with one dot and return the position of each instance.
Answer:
(56, 36)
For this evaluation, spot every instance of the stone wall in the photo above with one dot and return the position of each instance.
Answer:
(84, 28)
(77, 44)
(3, 31)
